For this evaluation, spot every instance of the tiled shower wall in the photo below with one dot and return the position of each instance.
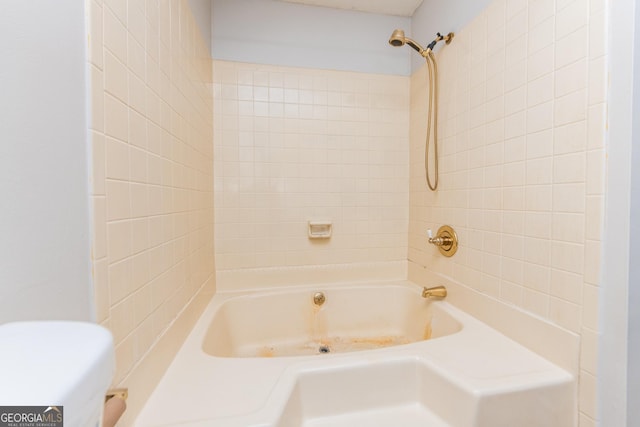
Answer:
(522, 124)
(294, 145)
(152, 184)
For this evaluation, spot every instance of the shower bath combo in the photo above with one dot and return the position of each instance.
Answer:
(399, 39)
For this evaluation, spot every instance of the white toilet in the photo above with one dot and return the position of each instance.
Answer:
(57, 363)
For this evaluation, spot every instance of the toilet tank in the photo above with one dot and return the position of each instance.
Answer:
(62, 367)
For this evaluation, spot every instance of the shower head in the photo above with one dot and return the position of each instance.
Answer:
(398, 39)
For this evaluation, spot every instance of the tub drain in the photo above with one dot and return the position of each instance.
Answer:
(324, 349)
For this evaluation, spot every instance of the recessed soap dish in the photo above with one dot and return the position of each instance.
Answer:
(320, 229)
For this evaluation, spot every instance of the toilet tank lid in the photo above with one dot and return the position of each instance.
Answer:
(54, 362)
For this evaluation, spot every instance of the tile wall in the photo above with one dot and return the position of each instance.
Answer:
(293, 145)
(522, 124)
(152, 183)
(522, 154)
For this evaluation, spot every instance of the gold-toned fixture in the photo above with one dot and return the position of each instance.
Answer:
(399, 39)
(435, 292)
(115, 404)
(121, 393)
(319, 298)
(446, 240)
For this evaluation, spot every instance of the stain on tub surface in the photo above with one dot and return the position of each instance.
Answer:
(331, 344)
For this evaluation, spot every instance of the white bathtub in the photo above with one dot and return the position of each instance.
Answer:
(252, 360)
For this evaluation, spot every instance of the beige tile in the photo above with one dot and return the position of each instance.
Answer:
(120, 278)
(592, 252)
(511, 293)
(136, 57)
(570, 168)
(96, 34)
(136, 19)
(515, 126)
(101, 289)
(117, 159)
(537, 278)
(138, 165)
(569, 198)
(571, 48)
(565, 314)
(539, 11)
(115, 33)
(589, 351)
(539, 198)
(513, 198)
(512, 271)
(540, 171)
(537, 251)
(516, 75)
(541, 35)
(540, 90)
(140, 236)
(536, 302)
(571, 18)
(594, 218)
(570, 108)
(567, 286)
(122, 320)
(540, 117)
(568, 257)
(569, 227)
(118, 200)
(539, 144)
(116, 118)
(571, 78)
(597, 34)
(587, 394)
(590, 307)
(514, 8)
(141, 274)
(540, 63)
(139, 200)
(118, 240)
(137, 96)
(115, 77)
(99, 240)
(570, 138)
(98, 161)
(596, 172)
(124, 356)
(97, 99)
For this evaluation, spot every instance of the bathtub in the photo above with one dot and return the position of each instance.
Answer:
(350, 318)
(373, 354)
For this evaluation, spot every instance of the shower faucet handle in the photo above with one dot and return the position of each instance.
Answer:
(446, 240)
(440, 240)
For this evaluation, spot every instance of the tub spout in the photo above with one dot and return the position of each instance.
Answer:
(435, 292)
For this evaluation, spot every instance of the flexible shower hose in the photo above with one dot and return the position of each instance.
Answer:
(432, 114)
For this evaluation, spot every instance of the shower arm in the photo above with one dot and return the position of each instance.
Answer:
(425, 52)
(439, 37)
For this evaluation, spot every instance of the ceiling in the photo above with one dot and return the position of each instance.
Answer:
(386, 7)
